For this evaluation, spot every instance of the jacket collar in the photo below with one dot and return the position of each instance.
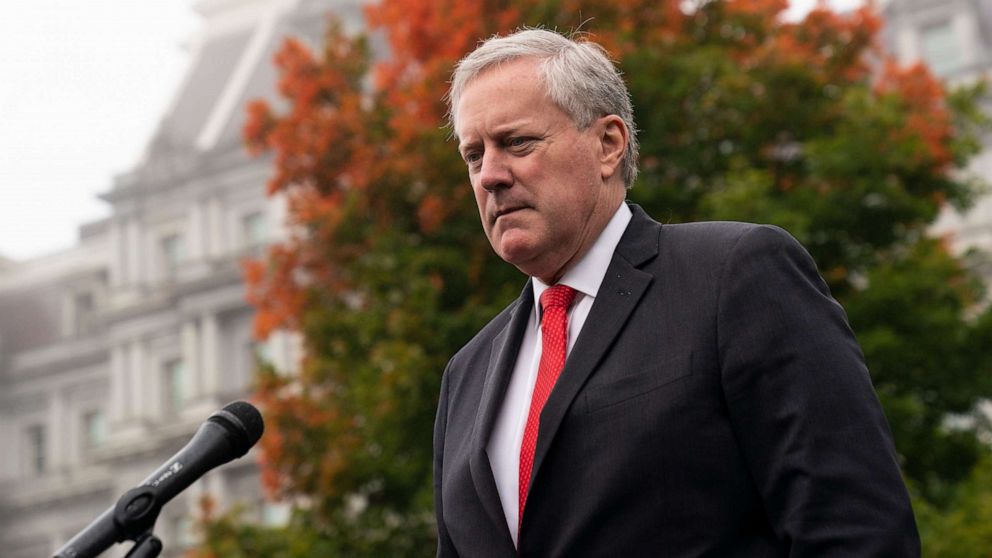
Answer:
(621, 290)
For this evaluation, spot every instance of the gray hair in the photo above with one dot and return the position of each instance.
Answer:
(578, 75)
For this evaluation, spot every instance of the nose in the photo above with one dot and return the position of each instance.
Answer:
(494, 173)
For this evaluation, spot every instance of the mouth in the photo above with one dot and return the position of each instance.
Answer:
(507, 210)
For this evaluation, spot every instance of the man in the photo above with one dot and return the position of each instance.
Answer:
(680, 390)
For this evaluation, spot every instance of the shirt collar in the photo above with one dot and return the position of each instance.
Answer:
(587, 275)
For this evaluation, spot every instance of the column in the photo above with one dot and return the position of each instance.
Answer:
(276, 212)
(119, 408)
(139, 390)
(197, 232)
(68, 313)
(8, 437)
(210, 369)
(134, 252)
(907, 39)
(117, 254)
(57, 439)
(965, 28)
(191, 358)
(215, 227)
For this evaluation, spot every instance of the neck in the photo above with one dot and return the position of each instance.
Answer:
(598, 219)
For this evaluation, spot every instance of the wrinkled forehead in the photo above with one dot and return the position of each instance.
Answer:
(464, 79)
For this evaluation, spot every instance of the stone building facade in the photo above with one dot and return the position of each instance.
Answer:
(114, 351)
(954, 37)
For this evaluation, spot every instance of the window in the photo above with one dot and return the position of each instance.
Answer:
(174, 380)
(35, 450)
(940, 48)
(254, 229)
(276, 514)
(94, 429)
(173, 250)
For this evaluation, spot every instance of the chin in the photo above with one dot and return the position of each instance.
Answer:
(516, 255)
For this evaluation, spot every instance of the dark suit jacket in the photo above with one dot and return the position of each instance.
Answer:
(716, 403)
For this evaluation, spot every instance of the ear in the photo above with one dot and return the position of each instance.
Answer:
(613, 137)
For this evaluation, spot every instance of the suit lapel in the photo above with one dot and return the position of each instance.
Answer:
(503, 356)
(618, 296)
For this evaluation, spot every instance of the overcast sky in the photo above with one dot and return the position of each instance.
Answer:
(82, 86)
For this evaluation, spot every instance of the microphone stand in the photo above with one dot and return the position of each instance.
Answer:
(147, 546)
(227, 434)
(133, 519)
(135, 515)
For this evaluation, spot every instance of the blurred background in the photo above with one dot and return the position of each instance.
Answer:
(223, 199)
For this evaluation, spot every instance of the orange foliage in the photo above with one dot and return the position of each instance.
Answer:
(425, 40)
(929, 120)
(295, 419)
(339, 136)
(326, 117)
(622, 26)
(274, 291)
(258, 126)
(832, 45)
(768, 11)
(431, 213)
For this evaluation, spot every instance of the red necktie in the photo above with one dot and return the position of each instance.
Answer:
(554, 339)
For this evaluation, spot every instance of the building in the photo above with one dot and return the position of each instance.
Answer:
(954, 38)
(114, 351)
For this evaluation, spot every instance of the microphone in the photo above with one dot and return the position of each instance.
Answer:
(226, 435)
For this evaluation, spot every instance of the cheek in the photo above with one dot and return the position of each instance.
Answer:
(481, 197)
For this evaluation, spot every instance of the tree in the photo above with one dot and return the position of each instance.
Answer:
(385, 272)
(744, 116)
(963, 528)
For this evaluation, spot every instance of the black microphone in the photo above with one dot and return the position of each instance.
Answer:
(226, 435)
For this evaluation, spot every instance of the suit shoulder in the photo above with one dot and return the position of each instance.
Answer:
(724, 233)
(709, 245)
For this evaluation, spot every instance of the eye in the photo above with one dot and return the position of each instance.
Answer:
(472, 158)
(520, 145)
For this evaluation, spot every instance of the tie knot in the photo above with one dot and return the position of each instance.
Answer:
(557, 296)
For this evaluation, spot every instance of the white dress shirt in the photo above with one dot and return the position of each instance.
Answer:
(504, 445)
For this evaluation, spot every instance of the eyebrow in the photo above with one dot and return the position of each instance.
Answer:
(500, 132)
(462, 147)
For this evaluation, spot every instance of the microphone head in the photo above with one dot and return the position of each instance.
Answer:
(244, 421)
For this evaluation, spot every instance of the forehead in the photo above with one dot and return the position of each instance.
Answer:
(503, 92)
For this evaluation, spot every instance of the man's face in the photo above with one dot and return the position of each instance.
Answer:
(537, 179)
